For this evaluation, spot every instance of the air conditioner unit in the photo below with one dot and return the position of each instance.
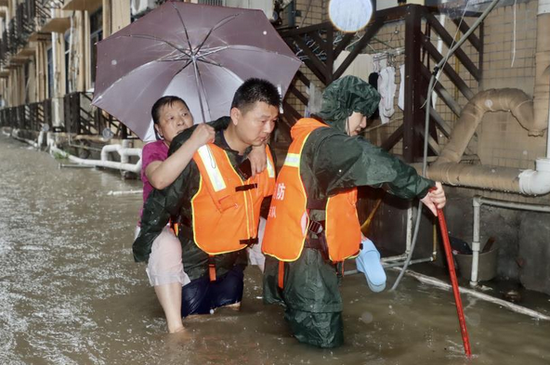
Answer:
(139, 6)
(265, 5)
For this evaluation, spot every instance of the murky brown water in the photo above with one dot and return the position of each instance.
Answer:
(70, 293)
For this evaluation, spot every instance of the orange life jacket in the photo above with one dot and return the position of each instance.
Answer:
(288, 219)
(226, 209)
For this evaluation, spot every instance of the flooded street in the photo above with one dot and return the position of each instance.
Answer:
(70, 293)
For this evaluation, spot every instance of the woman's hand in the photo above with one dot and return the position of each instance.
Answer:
(202, 135)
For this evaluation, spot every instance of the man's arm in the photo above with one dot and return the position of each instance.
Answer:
(342, 162)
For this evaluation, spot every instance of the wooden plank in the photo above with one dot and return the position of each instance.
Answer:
(442, 92)
(449, 41)
(451, 74)
(301, 31)
(444, 127)
(290, 109)
(464, 28)
(481, 49)
(343, 44)
(317, 63)
(393, 139)
(300, 76)
(330, 55)
(320, 41)
(298, 94)
(412, 114)
(315, 71)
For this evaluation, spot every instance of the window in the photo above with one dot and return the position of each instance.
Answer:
(96, 34)
(49, 55)
(26, 72)
(67, 61)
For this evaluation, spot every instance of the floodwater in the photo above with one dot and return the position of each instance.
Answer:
(70, 293)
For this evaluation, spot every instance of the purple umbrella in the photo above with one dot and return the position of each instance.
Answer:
(197, 52)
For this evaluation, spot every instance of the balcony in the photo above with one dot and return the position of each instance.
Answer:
(58, 23)
(89, 5)
(49, 19)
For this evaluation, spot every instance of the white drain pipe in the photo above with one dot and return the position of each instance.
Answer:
(478, 201)
(104, 162)
(500, 302)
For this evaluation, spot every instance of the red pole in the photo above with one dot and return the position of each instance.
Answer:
(454, 282)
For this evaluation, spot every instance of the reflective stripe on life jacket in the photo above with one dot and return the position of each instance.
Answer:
(288, 221)
(226, 209)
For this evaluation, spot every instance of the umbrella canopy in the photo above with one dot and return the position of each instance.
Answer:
(197, 52)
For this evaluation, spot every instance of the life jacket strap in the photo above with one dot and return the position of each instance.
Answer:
(246, 187)
(249, 242)
(281, 275)
(175, 228)
(211, 268)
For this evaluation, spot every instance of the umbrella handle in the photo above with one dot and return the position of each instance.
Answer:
(454, 282)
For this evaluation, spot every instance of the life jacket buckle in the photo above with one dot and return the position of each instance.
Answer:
(249, 242)
(316, 227)
(246, 187)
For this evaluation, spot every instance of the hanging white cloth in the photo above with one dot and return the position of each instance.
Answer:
(401, 98)
(362, 66)
(314, 101)
(386, 88)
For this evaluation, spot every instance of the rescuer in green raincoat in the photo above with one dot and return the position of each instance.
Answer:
(333, 159)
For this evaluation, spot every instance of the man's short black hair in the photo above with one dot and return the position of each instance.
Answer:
(253, 90)
(165, 100)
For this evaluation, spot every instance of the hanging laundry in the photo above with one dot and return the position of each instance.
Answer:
(401, 97)
(314, 101)
(386, 88)
(362, 65)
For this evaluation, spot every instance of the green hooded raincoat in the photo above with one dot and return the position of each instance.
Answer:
(331, 162)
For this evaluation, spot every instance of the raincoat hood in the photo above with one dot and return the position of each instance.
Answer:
(347, 95)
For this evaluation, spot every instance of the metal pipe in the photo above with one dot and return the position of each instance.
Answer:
(475, 241)
(502, 303)
(388, 265)
(104, 162)
(408, 240)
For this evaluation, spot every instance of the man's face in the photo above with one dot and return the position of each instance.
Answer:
(356, 123)
(256, 124)
(174, 119)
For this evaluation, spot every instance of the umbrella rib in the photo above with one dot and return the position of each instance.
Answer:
(154, 38)
(199, 87)
(211, 63)
(216, 26)
(184, 28)
(183, 68)
(213, 50)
